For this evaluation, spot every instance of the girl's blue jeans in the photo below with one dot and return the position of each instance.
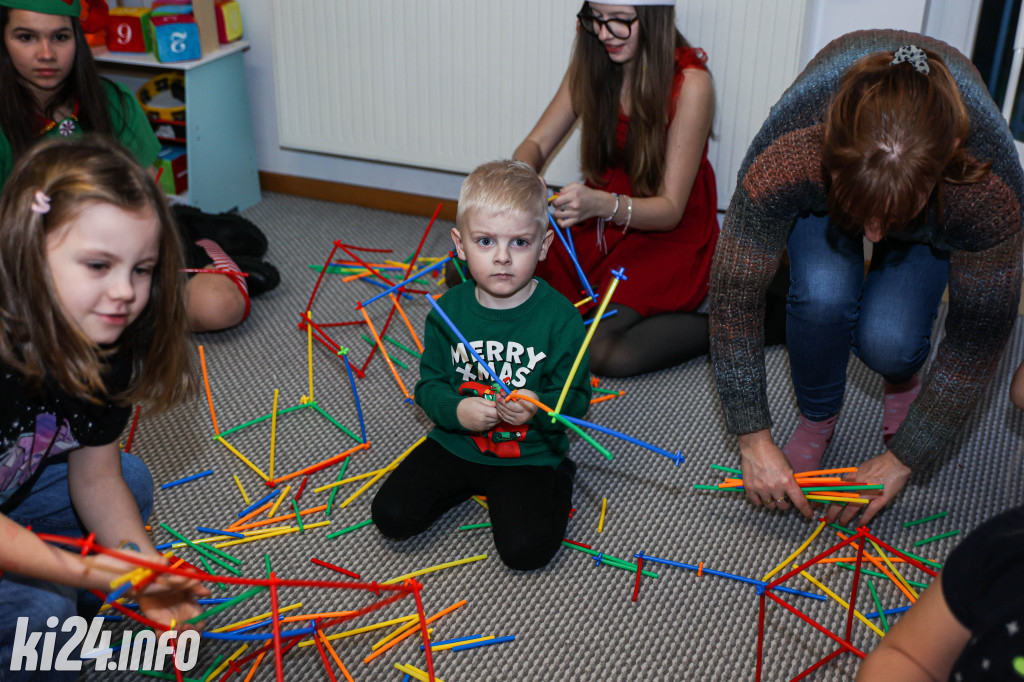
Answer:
(885, 316)
(46, 506)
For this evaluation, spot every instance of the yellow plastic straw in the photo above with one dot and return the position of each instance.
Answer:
(274, 533)
(279, 500)
(447, 564)
(834, 498)
(383, 472)
(273, 432)
(350, 479)
(844, 603)
(482, 502)
(893, 568)
(424, 624)
(309, 346)
(227, 661)
(365, 628)
(444, 647)
(600, 521)
(254, 619)
(245, 496)
(242, 457)
(586, 342)
(795, 554)
(585, 301)
(416, 673)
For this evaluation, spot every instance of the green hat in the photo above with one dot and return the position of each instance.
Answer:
(71, 8)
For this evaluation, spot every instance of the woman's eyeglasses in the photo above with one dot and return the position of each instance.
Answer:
(620, 28)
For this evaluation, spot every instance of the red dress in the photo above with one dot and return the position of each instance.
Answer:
(666, 271)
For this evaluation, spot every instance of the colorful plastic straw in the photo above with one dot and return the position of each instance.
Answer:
(193, 477)
(572, 256)
(476, 356)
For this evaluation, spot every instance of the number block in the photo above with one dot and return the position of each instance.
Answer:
(174, 162)
(129, 29)
(229, 21)
(176, 38)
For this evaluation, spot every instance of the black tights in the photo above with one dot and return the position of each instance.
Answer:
(628, 344)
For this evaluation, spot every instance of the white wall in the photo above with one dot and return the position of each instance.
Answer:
(950, 20)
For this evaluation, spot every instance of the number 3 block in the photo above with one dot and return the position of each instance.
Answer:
(129, 30)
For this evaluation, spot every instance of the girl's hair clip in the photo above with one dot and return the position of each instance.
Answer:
(914, 55)
(41, 203)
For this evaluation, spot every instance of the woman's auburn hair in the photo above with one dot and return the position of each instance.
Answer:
(891, 136)
(36, 338)
(595, 84)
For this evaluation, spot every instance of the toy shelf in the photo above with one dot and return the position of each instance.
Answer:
(218, 124)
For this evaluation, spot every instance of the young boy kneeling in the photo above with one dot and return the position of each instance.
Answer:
(529, 334)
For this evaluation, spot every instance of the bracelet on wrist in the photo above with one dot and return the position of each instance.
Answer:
(614, 210)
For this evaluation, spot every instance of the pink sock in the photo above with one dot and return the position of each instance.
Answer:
(897, 404)
(222, 261)
(806, 446)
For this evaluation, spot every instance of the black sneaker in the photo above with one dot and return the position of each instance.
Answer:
(263, 276)
(236, 235)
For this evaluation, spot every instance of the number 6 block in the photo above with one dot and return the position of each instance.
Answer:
(129, 30)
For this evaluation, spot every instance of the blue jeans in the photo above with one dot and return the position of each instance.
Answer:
(46, 506)
(885, 316)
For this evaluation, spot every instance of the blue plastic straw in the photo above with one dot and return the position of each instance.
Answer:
(383, 286)
(451, 641)
(415, 275)
(458, 334)
(572, 255)
(677, 457)
(486, 642)
(214, 531)
(731, 576)
(607, 314)
(888, 612)
(259, 503)
(355, 393)
(193, 477)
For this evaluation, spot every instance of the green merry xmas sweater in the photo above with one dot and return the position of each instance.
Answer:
(531, 346)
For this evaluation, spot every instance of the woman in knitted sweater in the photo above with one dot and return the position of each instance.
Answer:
(890, 136)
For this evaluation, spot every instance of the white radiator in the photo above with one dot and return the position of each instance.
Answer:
(449, 84)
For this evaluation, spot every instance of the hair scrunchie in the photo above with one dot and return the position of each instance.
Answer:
(914, 55)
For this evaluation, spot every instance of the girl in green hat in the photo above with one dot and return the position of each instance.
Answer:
(50, 87)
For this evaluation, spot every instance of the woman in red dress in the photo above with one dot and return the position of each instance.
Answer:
(648, 203)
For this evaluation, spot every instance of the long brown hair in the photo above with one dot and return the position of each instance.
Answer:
(892, 134)
(36, 337)
(595, 83)
(83, 85)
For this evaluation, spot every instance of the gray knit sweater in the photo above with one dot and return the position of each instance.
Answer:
(980, 225)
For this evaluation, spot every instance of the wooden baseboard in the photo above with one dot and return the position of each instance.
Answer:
(383, 199)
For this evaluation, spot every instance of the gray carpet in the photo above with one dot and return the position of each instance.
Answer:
(573, 620)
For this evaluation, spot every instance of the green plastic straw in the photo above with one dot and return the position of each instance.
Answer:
(259, 419)
(351, 528)
(408, 350)
(613, 561)
(929, 562)
(727, 469)
(211, 552)
(474, 526)
(595, 389)
(216, 662)
(209, 569)
(936, 537)
(878, 606)
(926, 519)
(336, 423)
(266, 563)
(849, 531)
(226, 605)
(852, 486)
(298, 516)
(334, 490)
(585, 436)
(701, 486)
(393, 358)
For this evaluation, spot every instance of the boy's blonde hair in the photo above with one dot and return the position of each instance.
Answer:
(504, 187)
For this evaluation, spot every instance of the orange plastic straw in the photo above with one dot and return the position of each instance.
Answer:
(428, 621)
(605, 397)
(267, 522)
(819, 472)
(319, 465)
(384, 352)
(248, 516)
(407, 323)
(334, 654)
(252, 671)
(880, 565)
(209, 396)
(351, 278)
